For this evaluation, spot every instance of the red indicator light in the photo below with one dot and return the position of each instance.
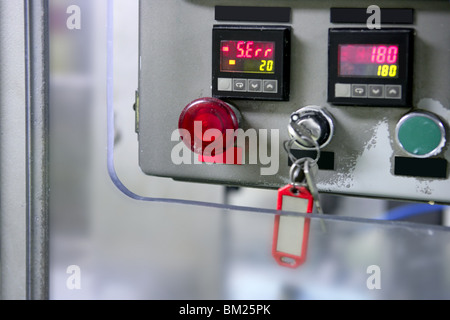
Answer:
(206, 120)
(226, 49)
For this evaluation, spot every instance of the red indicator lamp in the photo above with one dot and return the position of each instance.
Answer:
(204, 114)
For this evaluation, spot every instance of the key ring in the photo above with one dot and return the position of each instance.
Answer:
(287, 147)
(288, 144)
(295, 170)
(298, 164)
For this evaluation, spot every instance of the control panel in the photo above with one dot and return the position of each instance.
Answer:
(233, 95)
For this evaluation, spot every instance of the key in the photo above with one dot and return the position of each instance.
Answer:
(310, 174)
(291, 233)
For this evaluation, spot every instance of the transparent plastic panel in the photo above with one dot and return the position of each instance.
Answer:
(119, 234)
(137, 250)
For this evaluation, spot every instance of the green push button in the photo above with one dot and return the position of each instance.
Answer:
(421, 134)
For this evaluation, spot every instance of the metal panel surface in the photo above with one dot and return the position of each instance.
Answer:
(12, 151)
(24, 133)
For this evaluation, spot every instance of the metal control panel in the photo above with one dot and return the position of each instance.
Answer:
(220, 84)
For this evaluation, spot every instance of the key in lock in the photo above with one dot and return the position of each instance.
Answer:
(313, 122)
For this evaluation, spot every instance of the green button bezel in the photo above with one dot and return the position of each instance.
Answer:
(433, 118)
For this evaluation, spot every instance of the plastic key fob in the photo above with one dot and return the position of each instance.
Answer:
(290, 238)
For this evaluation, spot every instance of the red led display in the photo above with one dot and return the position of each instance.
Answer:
(247, 56)
(368, 60)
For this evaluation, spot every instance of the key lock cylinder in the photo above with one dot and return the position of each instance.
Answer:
(311, 127)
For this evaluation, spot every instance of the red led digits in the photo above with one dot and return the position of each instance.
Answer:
(368, 53)
(381, 54)
(203, 126)
(247, 56)
(245, 49)
(392, 53)
(367, 60)
(268, 53)
(384, 54)
(248, 49)
(240, 49)
(374, 54)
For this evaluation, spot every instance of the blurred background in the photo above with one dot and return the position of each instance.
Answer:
(131, 249)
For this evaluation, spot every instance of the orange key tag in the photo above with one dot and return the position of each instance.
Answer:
(290, 237)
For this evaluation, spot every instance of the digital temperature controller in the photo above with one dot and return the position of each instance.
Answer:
(370, 67)
(251, 62)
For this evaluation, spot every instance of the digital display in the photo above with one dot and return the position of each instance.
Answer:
(247, 56)
(251, 62)
(368, 60)
(370, 67)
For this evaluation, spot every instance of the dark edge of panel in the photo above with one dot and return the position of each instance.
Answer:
(360, 15)
(253, 14)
